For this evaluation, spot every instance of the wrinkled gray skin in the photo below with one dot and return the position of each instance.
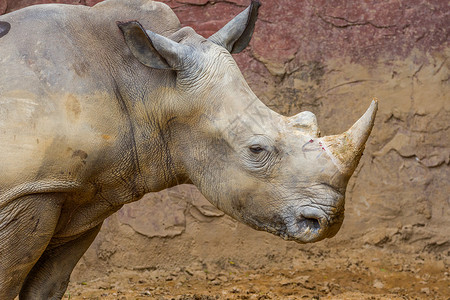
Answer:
(95, 114)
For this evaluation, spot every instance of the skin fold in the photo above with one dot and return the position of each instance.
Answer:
(101, 105)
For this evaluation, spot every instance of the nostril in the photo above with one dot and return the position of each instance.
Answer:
(309, 223)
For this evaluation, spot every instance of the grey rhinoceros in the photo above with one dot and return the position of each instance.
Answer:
(101, 105)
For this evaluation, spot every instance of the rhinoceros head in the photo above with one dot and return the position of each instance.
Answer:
(271, 172)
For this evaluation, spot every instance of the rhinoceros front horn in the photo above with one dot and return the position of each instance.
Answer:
(346, 149)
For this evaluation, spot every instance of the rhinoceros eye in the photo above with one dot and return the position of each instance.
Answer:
(256, 149)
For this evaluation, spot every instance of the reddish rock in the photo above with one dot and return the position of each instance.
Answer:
(194, 2)
(3, 5)
(91, 2)
(362, 30)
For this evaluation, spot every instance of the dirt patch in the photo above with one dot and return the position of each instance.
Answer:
(366, 273)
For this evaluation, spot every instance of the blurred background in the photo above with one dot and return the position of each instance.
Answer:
(331, 58)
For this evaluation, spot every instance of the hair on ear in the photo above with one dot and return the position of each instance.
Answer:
(141, 45)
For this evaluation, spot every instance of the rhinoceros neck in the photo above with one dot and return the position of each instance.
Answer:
(149, 137)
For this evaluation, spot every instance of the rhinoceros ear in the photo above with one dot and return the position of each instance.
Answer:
(236, 35)
(151, 49)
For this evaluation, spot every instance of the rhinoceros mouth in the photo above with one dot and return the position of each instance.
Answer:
(308, 226)
(305, 225)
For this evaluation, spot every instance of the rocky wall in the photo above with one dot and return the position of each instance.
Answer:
(329, 57)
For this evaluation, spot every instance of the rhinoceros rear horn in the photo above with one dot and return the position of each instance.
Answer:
(346, 149)
(151, 49)
(236, 35)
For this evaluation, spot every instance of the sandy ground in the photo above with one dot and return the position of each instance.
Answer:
(365, 273)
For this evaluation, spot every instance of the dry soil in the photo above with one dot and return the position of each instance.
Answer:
(366, 273)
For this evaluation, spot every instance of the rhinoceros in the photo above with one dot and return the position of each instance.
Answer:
(101, 105)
